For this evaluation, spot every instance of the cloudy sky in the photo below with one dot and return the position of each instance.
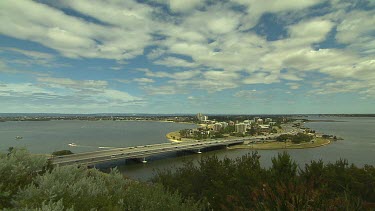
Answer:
(187, 56)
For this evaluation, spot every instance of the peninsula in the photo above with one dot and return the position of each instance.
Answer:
(260, 133)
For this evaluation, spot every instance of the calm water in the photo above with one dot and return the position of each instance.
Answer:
(49, 136)
(358, 145)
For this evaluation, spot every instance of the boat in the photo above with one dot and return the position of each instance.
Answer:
(72, 145)
(18, 137)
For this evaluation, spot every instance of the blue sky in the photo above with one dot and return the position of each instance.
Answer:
(178, 56)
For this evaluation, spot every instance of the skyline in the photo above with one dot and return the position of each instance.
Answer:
(163, 57)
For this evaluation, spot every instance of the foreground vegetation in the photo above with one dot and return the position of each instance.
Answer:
(28, 182)
(242, 184)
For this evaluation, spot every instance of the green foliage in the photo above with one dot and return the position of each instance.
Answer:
(184, 133)
(142, 196)
(301, 137)
(218, 135)
(296, 139)
(284, 169)
(27, 185)
(229, 129)
(17, 169)
(218, 179)
(241, 184)
(284, 137)
(62, 152)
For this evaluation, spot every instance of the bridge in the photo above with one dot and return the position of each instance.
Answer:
(138, 152)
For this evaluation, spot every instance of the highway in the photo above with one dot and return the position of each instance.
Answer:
(140, 152)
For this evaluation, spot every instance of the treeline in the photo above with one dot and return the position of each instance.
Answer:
(28, 182)
(296, 139)
(242, 184)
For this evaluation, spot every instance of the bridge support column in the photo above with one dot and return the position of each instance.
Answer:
(144, 160)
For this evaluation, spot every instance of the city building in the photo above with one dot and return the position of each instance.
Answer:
(224, 124)
(202, 117)
(268, 120)
(240, 128)
(217, 127)
(264, 128)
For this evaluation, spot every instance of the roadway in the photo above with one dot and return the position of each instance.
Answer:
(141, 152)
(144, 151)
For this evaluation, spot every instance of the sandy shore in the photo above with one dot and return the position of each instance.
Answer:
(175, 137)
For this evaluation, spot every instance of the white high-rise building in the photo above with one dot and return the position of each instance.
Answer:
(240, 128)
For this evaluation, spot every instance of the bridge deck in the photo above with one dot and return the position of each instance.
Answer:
(91, 158)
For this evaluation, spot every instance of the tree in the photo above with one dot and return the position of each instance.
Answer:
(301, 137)
(62, 152)
(17, 170)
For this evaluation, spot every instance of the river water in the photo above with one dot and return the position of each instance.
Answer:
(48, 136)
(358, 146)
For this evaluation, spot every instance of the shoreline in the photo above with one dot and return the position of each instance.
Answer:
(174, 136)
(280, 145)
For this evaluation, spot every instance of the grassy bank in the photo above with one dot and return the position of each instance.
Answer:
(318, 142)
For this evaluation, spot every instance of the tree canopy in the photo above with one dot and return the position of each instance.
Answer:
(242, 184)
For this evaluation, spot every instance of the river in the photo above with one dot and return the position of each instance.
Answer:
(358, 146)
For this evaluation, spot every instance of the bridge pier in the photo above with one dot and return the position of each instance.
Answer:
(144, 160)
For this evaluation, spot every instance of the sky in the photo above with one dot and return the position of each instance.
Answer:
(187, 56)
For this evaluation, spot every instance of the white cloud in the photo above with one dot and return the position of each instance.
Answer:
(261, 78)
(183, 5)
(95, 91)
(74, 84)
(175, 62)
(310, 31)
(74, 37)
(293, 85)
(357, 30)
(28, 53)
(183, 75)
(246, 93)
(143, 80)
(255, 9)
(160, 90)
(22, 90)
(224, 54)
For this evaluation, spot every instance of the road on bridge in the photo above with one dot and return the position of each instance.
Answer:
(91, 158)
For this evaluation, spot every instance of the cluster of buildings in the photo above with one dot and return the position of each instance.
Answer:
(202, 118)
(262, 125)
(258, 124)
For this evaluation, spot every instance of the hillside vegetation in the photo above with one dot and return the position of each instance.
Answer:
(28, 182)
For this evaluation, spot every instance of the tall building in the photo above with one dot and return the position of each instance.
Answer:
(240, 128)
(200, 116)
(217, 127)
